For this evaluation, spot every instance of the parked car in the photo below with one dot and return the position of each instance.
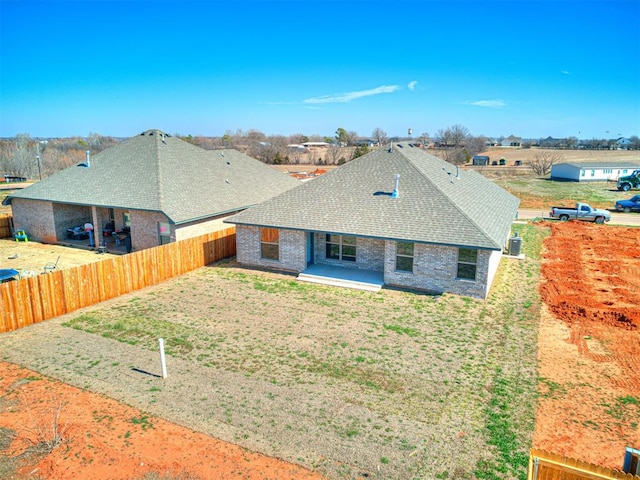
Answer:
(630, 205)
(77, 233)
(581, 211)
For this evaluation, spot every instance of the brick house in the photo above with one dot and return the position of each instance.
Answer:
(156, 187)
(398, 213)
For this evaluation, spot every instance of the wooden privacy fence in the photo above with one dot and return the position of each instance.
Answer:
(5, 226)
(32, 300)
(544, 465)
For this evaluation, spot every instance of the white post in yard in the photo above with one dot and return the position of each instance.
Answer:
(163, 362)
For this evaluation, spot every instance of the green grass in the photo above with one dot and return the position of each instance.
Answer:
(418, 382)
(533, 192)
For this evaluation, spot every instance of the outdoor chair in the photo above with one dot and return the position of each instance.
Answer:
(21, 235)
(51, 266)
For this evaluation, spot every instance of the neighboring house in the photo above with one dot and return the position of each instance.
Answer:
(415, 220)
(591, 172)
(511, 141)
(157, 187)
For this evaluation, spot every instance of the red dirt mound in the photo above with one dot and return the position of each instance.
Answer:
(589, 347)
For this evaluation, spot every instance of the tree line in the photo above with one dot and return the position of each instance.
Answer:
(36, 158)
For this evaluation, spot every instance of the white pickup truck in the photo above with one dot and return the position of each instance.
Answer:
(581, 211)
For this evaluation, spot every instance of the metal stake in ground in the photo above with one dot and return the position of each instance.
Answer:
(163, 362)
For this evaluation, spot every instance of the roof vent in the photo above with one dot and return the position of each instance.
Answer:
(394, 194)
(458, 172)
(390, 147)
(87, 163)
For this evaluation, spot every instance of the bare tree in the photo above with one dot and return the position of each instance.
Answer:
(334, 153)
(298, 138)
(379, 135)
(267, 149)
(24, 162)
(475, 145)
(452, 141)
(543, 161)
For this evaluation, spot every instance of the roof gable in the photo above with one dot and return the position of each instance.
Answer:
(436, 202)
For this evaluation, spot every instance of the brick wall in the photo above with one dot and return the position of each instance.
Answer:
(434, 266)
(144, 229)
(435, 269)
(35, 218)
(292, 246)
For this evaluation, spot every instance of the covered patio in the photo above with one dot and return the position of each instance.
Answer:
(360, 279)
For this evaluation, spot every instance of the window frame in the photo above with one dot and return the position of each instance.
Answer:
(342, 245)
(404, 256)
(269, 238)
(465, 264)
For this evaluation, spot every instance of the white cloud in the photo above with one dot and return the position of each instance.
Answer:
(349, 96)
(412, 85)
(566, 72)
(489, 103)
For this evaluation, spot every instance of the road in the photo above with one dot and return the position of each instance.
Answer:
(617, 218)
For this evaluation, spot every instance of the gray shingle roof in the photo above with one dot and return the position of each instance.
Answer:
(434, 204)
(157, 172)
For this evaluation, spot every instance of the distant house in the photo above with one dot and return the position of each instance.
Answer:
(591, 172)
(511, 141)
(316, 144)
(156, 187)
(296, 147)
(367, 142)
(623, 143)
(551, 142)
(398, 214)
(480, 160)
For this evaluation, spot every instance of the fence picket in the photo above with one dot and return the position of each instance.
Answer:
(32, 300)
(556, 467)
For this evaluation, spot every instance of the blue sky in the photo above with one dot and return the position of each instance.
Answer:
(529, 68)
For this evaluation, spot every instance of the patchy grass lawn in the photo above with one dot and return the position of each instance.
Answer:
(389, 385)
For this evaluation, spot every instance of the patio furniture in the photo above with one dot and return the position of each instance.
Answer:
(51, 266)
(21, 235)
(9, 274)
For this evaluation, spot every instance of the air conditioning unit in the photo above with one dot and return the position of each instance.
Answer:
(515, 245)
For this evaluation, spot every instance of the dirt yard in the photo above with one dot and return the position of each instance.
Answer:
(589, 406)
(110, 440)
(589, 343)
(30, 258)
